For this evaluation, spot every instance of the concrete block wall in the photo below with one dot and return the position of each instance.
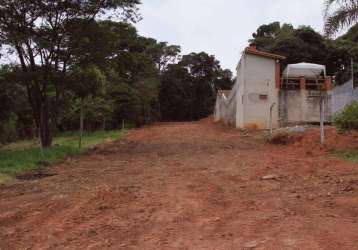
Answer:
(302, 106)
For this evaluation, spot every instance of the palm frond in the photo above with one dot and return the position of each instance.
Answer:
(345, 15)
(327, 6)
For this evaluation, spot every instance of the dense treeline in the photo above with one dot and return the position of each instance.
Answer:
(303, 44)
(75, 67)
(188, 89)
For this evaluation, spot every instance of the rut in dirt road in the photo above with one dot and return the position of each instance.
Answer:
(186, 186)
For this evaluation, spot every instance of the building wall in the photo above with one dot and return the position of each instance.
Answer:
(244, 108)
(225, 109)
(342, 96)
(302, 106)
(239, 88)
(259, 82)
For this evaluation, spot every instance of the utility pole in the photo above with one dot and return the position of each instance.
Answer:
(81, 125)
(352, 70)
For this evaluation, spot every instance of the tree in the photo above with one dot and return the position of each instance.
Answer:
(15, 114)
(299, 45)
(133, 76)
(303, 44)
(224, 81)
(341, 52)
(166, 54)
(40, 34)
(8, 107)
(345, 14)
(188, 88)
(85, 82)
(266, 35)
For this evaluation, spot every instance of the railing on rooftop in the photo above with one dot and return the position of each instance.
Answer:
(297, 83)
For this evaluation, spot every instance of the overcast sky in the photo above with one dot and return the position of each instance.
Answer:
(222, 27)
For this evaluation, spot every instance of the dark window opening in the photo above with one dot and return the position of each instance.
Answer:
(264, 97)
(291, 84)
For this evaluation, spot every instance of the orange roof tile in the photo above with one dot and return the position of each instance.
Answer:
(264, 54)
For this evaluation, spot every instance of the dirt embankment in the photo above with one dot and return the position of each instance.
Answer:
(189, 186)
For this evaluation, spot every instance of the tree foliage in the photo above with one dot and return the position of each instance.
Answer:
(15, 113)
(303, 44)
(348, 118)
(43, 34)
(189, 87)
(340, 14)
(74, 63)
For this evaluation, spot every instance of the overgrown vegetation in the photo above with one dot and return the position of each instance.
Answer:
(348, 118)
(188, 89)
(27, 155)
(77, 68)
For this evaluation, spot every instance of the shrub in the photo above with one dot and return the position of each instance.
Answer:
(8, 131)
(348, 118)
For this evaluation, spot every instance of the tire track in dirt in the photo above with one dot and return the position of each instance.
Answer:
(186, 186)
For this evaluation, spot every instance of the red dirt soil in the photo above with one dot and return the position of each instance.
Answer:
(189, 186)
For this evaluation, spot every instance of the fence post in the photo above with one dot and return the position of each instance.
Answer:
(271, 109)
(322, 118)
(352, 69)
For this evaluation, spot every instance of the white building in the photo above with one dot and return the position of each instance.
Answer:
(261, 99)
(256, 91)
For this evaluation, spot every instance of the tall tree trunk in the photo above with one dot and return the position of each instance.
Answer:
(104, 123)
(81, 124)
(149, 115)
(45, 126)
(38, 98)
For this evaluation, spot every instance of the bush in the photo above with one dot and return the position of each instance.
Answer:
(8, 131)
(348, 118)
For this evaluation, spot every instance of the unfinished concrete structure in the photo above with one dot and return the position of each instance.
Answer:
(301, 91)
(262, 99)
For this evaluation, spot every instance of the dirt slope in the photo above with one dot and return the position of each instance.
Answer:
(187, 186)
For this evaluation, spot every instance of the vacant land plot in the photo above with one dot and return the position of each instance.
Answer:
(188, 186)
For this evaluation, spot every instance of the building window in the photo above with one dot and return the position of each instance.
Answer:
(263, 97)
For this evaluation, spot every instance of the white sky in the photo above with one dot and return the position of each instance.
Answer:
(222, 27)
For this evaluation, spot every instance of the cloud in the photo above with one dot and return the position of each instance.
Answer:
(221, 28)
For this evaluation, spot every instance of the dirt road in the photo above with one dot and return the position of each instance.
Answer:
(186, 186)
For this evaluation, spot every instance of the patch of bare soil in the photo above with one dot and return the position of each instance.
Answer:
(285, 138)
(193, 185)
(309, 142)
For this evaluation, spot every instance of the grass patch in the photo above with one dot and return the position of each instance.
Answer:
(4, 178)
(351, 156)
(26, 155)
